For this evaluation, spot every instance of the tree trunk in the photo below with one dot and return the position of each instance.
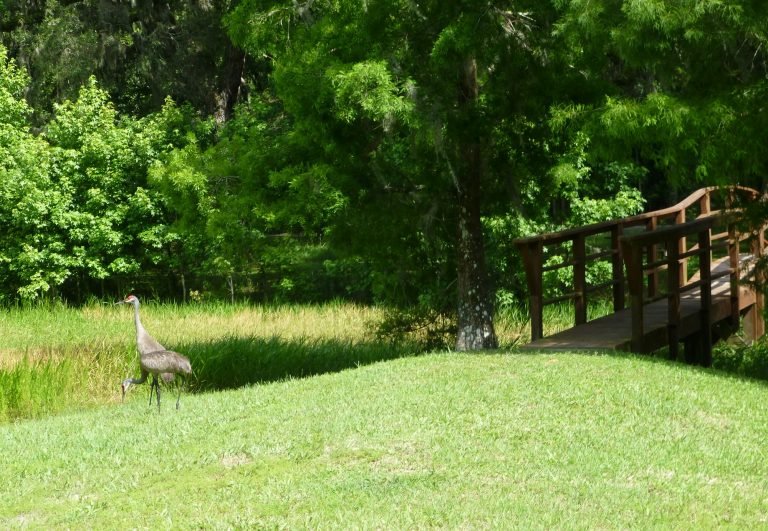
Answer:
(230, 82)
(475, 311)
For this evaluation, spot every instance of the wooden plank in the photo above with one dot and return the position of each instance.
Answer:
(617, 269)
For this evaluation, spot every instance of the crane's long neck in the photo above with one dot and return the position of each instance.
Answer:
(145, 342)
(137, 321)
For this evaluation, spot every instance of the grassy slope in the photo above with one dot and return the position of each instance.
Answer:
(440, 440)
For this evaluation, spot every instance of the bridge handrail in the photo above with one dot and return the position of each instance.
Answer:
(634, 248)
(702, 196)
(532, 251)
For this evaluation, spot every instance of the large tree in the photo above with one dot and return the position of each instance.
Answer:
(408, 103)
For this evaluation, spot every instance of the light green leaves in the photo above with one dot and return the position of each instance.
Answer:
(368, 90)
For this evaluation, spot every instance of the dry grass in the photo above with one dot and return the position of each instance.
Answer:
(50, 333)
(57, 358)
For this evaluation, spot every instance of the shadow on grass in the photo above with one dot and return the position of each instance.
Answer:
(238, 361)
(740, 362)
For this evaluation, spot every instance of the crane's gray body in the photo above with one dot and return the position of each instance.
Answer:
(154, 358)
(164, 361)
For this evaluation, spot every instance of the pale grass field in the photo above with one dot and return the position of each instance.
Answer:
(48, 333)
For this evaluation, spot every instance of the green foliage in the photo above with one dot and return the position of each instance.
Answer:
(684, 81)
(74, 202)
(367, 90)
(745, 360)
(339, 174)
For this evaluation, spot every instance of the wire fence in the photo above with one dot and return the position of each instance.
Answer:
(236, 287)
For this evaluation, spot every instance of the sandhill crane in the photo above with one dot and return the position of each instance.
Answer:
(159, 360)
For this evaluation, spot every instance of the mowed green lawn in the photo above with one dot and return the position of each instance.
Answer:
(443, 440)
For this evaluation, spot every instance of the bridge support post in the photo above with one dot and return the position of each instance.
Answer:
(617, 267)
(673, 298)
(533, 262)
(754, 320)
(704, 355)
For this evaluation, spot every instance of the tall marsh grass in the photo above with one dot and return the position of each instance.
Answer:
(54, 358)
(57, 358)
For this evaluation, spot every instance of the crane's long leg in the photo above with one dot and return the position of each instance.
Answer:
(132, 381)
(153, 386)
(157, 392)
(180, 384)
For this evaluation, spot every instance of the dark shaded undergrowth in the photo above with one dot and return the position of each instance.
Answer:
(237, 361)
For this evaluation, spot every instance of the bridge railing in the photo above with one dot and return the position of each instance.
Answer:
(534, 250)
(635, 247)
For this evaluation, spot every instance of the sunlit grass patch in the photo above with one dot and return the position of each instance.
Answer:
(442, 440)
(54, 358)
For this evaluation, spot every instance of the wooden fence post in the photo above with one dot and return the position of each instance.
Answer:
(580, 279)
(618, 269)
(653, 278)
(533, 261)
(633, 254)
(705, 274)
(682, 244)
(673, 297)
(733, 262)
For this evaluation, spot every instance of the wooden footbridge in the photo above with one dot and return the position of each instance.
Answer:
(685, 281)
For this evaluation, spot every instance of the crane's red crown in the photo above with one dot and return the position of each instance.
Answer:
(130, 298)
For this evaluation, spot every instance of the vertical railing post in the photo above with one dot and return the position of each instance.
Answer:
(682, 245)
(754, 321)
(673, 297)
(705, 205)
(617, 268)
(580, 279)
(653, 278)
(733, 262)
(633, 256)
(705, 274)
(758, 250)
(533, 262)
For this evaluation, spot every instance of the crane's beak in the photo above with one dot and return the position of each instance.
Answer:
(124, 387)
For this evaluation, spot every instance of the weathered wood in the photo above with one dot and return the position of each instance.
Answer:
(634, 262)
(532, 262)
(639, 220)
(614, 331)
(679, 321)
(617, 268)
(580, 279)
(733, 258)
(754, 322)
(681, 248)
(705, 291)
(652, 257)
(673, 299)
